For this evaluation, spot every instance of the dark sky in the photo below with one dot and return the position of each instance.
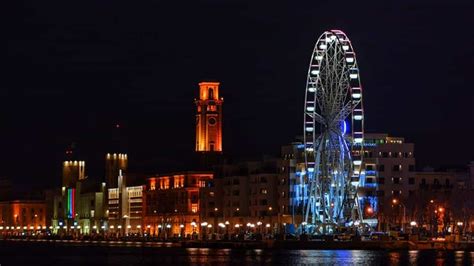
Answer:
(71, 70)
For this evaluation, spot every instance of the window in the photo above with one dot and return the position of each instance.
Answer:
(381, 180)
(211, 194)
(423, 181)
(411, 168)
(194, 198)
(263, 202)
(447, 182)
(396, 180)
(263, 191)
(263, 179)
(235, 193)
(236, 181)
(411, 181)
(385, 154)
(369, 180)
(397, 168)
(211, 93)
(92, 203)
(380, 193)
(369, 167)
(381, 168)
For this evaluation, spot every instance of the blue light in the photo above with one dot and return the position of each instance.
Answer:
(344, 127)
(370, 185)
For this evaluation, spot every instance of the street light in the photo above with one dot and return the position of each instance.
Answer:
(395, 202)
(370, 210)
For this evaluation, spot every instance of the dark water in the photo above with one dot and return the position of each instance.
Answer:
(81, 254)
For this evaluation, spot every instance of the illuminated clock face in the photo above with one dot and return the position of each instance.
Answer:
(212, 121)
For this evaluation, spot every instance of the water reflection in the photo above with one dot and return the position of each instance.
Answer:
(89, 253)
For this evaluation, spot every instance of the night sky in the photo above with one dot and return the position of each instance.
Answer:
(72, 70)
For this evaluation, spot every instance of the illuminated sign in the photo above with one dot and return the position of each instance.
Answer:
(71, 210)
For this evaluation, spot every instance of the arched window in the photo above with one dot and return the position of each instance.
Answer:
(211, 93)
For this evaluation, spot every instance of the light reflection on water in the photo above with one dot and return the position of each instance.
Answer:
(328, 257)
(133, 254)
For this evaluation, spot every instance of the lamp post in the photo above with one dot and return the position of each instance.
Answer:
(395, 202)
(227, 229)
(193, 225)
(270, 209)
(204, 225)
(460, 229)
(413, 224)
(215, 218)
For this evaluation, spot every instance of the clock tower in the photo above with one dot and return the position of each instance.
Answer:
(209, 118)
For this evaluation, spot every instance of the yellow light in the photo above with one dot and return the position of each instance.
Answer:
(394, 201)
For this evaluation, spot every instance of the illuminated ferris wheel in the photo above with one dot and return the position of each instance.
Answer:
(333, 133)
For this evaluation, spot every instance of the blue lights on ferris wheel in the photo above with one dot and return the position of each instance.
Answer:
(344, 127)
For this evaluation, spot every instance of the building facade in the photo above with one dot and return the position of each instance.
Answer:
(23, 217)
(173, 203)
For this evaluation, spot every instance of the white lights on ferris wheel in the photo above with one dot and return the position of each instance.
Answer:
(333, 132)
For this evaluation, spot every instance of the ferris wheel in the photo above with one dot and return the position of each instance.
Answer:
(333, 133)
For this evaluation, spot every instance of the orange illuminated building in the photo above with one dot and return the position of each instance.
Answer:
(172, 203)
(209, 118)
(23, 216)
